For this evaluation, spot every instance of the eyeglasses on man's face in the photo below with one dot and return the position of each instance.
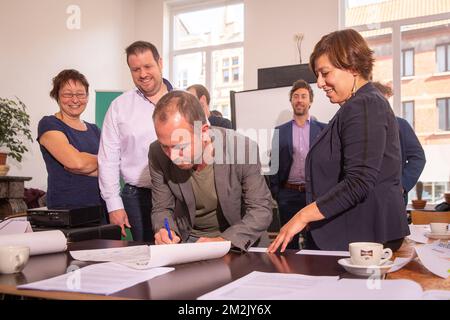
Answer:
(70, 95)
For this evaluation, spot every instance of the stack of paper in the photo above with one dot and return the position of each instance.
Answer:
(101, 278)
(281, 286)
(436, 258)
(39, 242)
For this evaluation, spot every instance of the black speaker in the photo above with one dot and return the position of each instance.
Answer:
(284, 76)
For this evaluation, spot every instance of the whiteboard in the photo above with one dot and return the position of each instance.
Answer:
(268, 108)
(258, 112)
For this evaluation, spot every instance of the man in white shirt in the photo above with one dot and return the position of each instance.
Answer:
(126, 136)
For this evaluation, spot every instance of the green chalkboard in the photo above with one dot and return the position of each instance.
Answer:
(102, 101)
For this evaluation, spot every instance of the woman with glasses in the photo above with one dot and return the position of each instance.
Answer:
(69, 146)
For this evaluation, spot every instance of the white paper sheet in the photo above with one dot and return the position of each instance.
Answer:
(113, 254)
(325, 253)
(277, 286)
(433, 261)
(418, 233)
(100, 278)
(39, 242)
(158, 256)
(257, 249)
(15, 226)
(267, 286)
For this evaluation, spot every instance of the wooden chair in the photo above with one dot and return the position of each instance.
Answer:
(426, 217)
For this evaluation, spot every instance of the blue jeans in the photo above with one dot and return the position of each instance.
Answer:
(138, 205)
(289, 203)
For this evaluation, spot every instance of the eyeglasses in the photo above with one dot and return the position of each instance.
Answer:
(80, 96)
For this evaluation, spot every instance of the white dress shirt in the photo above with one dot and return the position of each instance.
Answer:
(127, 133)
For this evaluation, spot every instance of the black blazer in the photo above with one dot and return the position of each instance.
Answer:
(285, 152)
(353, 172)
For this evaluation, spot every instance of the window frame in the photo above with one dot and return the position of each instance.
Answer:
(413, 124)
(446, 46)
(447, 112)
(175, 10)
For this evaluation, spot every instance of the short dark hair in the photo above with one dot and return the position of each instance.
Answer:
(346, 50)
(179, 101)
(200, 90)
(383, 88)
(141, 47)
(304, 85)
(64, 77)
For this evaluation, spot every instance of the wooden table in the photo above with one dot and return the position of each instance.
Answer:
(191, 280)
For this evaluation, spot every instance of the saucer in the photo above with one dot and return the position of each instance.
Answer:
(365, 271)
(438, 235)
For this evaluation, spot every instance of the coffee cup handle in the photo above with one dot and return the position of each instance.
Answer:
(387, 253)
(20, 258)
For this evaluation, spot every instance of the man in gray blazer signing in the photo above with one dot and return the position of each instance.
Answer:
(206, 181)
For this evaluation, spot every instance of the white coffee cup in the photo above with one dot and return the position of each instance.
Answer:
(13, 258)
(368, 253)
(438, 227)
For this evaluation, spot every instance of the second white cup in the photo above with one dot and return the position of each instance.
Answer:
(13, 258)
(368, 253)
(438, 227)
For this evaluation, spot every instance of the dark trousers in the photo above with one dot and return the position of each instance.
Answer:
(138, 205)
(289, 203)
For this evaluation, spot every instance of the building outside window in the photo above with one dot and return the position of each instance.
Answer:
(411, 44)
(443, 58)
(407, 62)
(206, 45)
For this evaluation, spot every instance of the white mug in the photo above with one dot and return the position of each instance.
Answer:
(368, 253)
(438, 227)
(13, 258)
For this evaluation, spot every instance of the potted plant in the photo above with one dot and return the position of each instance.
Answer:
(419, 203)
(14, 128)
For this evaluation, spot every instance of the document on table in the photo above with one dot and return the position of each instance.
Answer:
(418, 233)
(101, 278)
(41, 242)
(325, 253)
(282, 286)
(434, 259)
(145, 257)
(15, 226)
(267, 286)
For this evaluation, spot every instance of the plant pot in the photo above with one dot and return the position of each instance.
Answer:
(3, 156)
(419, 204)
(4, 170)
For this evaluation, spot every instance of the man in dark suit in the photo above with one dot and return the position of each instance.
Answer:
(203, 96)
(413, 156)
(206, 181)
(295, 138)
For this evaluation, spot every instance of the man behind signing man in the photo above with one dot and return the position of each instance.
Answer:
(204, 180)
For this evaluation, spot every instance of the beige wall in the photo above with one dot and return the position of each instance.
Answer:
(36, 45)
(270, 26)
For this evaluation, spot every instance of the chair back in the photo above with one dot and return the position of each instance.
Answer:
(426, 217)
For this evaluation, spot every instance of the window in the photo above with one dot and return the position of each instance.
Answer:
(235, 74)
(443, 58)
(409, 39)
(443, 106)
(407, 62)
(408, 112)
(226, 75)
(206, 41)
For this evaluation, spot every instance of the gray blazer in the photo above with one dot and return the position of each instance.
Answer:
(242, 192)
